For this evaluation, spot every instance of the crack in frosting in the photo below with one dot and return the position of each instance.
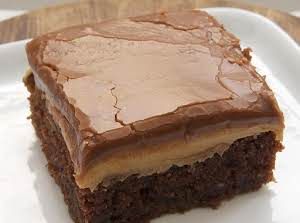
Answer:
(116, 106)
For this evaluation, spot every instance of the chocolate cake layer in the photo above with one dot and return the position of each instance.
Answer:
(138, 95)
(244, 167)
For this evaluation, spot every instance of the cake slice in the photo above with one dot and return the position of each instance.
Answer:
(151, 115)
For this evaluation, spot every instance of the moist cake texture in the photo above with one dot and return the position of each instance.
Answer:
(150, 115)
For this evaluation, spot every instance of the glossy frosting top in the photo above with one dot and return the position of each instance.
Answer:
(126, 80)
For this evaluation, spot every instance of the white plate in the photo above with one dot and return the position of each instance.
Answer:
(28, 194)
(6, 14)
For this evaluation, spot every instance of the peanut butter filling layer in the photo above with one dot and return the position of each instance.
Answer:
(164, 152)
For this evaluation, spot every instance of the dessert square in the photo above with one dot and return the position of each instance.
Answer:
(150, 115)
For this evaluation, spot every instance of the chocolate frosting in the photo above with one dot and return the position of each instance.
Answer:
(134, 81)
